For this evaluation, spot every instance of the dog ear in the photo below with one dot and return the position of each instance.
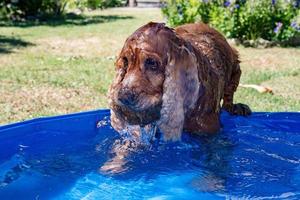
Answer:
(117, 122)
(180, 89)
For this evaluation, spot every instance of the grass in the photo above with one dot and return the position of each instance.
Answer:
(67, 65)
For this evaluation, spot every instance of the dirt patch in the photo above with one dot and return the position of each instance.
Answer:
(32, 101)
(84, 46)
(288, 87)
(271, 59)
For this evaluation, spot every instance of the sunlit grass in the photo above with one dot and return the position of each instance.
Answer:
(56, 69)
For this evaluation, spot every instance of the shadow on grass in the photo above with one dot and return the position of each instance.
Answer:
(7, 44)
(68, 19)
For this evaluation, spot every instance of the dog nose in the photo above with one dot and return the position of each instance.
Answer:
(127, 96)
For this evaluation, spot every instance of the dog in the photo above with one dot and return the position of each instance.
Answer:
(176, 79)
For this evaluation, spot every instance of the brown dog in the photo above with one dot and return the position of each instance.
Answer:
(175, 78)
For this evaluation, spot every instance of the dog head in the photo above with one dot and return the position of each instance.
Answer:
(155, 71)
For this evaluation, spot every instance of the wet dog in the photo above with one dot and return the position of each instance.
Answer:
(176, 79)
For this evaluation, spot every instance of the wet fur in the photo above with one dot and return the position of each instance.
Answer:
(198, 70)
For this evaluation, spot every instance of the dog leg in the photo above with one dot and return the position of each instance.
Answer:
(228, 105)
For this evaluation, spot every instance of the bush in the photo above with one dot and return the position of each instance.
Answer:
(95, 4)
(24, 9)
(18, 9)
(273, 20)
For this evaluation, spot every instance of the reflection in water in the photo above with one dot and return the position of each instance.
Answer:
(120, 150)
(211, 153)
(133, 138)
(217, 151)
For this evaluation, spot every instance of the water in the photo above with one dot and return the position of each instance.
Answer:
(255, 158)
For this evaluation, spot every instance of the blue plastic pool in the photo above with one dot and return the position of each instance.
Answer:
(61, 158)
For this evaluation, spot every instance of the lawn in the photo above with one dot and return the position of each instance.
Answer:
(65, 66)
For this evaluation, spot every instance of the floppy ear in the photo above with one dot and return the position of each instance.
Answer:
(180, 90)
(117, 122)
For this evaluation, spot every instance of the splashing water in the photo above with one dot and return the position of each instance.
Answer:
(140, 134)
(133, 139)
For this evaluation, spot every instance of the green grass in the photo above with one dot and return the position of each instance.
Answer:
(67, 65)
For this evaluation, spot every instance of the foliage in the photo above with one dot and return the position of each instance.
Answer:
(273, 20)
(95, 4)
(24, 9)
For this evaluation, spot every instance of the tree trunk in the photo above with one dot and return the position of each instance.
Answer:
(131, 3)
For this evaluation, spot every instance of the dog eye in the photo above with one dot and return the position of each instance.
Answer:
(151, 64)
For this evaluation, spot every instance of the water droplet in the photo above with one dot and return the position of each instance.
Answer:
(104, 122)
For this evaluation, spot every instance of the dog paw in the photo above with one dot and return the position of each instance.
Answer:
(239, 109)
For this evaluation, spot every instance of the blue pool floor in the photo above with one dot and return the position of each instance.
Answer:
(257, 157)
